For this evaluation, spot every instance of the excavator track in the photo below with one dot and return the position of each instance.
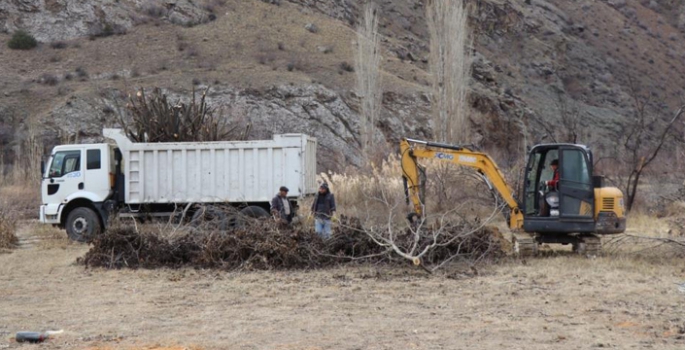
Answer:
(525, 245)
(588, 245)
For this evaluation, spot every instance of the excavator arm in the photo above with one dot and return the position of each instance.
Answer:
(481, 162)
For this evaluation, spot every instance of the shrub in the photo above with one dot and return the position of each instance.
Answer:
(22, 40)
(154, 11)
(82, 73)
(346, 67)
(107, 30)
(58, 45)
(48, 79)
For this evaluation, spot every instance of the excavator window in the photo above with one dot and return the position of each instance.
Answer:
(574, 170)
(576, 184)
(538, 170)
(531, 181)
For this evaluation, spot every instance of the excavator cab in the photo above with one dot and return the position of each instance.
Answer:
(569, 206)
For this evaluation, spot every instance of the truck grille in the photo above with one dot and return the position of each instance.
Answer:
(608, 204)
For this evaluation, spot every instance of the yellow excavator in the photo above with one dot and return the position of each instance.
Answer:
(574, 209)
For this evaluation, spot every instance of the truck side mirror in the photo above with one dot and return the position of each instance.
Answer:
(42, 167)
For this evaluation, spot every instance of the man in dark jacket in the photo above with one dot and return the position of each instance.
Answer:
(280, 206)
(323, 209)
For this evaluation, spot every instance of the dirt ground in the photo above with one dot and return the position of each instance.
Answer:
(555, 302)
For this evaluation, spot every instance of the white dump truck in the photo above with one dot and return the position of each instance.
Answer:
(85, 184)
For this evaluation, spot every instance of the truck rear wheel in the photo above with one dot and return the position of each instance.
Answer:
(83, 224)
(254, 212)
(210, 217)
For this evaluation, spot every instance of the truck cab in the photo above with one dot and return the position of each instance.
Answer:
(77, 181)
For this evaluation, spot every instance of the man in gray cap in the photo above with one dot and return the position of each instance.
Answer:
(323, 209)
(280, 206)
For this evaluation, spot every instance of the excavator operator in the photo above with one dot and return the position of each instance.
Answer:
(555, 179)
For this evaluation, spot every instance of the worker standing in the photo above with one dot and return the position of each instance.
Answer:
(280, 206)
(323, 209)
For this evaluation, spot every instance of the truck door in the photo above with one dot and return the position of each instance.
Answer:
(97, 172)
(65, 176)
(575, 184)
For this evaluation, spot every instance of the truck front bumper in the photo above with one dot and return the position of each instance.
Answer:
(50, 213)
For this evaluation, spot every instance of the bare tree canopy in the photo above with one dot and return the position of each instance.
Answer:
(450, 66)
(643, 137)
(368, 74)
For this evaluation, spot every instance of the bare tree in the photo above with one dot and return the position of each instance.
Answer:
(32, 152)
(450, 62)
(643, 137)
(570, 130)
(368, 74)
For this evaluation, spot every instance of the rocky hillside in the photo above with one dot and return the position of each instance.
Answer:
(286, 66)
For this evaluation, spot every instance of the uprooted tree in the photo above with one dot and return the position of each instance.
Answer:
(445, 233)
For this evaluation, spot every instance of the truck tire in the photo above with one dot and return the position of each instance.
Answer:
(254, 211)
(83, 224)
(210, 217)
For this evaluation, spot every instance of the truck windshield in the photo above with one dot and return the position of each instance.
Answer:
(65, 162)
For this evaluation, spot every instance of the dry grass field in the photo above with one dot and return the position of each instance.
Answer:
(558, 301)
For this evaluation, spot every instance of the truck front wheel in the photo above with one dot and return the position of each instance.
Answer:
(83, 225)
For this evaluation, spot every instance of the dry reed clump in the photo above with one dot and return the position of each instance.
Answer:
(354, 192)
(15, 203)
(21, 201)
(8, 226)
(449, 188)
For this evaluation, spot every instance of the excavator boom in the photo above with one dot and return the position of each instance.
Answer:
(458, 155)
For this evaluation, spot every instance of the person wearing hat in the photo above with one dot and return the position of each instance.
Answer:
(555, 179)
(323, 209)
(280, 206)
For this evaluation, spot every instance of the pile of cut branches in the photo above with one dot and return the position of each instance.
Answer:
(154, 118)
(260, 245)
(667, 246)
